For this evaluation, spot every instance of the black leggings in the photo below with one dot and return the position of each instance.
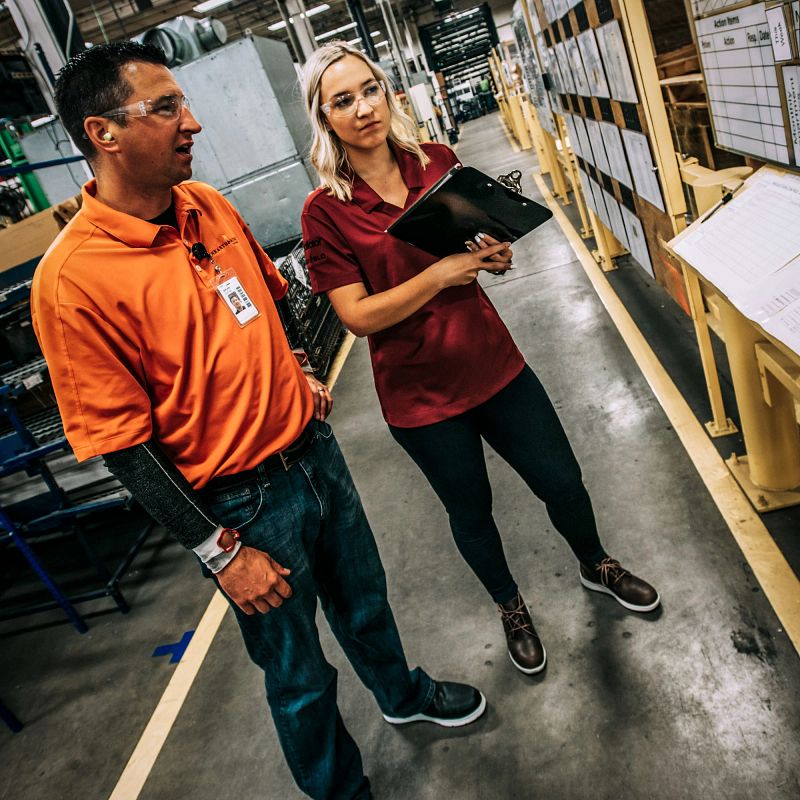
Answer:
(521, 425)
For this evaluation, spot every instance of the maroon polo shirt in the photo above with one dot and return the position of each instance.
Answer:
(452, 354)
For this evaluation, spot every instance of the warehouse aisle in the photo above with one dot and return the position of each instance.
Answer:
(699, 699)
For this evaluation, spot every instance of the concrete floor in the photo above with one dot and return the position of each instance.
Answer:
(699, 700)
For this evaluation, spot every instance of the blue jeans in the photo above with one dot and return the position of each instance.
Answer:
(310, 520)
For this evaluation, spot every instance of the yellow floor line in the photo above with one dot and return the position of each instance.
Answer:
(514, 146)
(779, 583)
(338, 361)
(140, 765)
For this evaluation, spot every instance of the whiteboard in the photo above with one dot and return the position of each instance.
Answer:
(742, 83)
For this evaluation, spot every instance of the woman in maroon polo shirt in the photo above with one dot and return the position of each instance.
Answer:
(447, 371)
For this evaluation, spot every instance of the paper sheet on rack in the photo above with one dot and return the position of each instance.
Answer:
(615, 218)
(583, 137)
(593, 63)
(749, 240)
(637, 243)
(578, 71)
(563, 65)
(783, 309)
(611, 44)
(574, 141)
(644, 171)
(778, 292)
(588, 194)
(791, 93)
(598, 148)
(615, 151)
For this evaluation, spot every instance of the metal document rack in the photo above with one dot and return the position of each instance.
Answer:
(309, 320)
(31, 436)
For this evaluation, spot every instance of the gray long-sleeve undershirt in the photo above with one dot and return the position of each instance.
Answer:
(161, 489)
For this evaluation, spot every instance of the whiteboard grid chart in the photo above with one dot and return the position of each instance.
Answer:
(742, 83)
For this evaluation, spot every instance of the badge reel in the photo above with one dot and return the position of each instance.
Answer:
(229, 288)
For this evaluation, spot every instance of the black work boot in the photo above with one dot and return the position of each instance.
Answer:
(452, 705)
(524, 645)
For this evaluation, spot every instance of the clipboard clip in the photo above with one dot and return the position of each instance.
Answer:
(726, 198)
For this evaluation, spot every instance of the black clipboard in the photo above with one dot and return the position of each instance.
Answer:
(461, 204)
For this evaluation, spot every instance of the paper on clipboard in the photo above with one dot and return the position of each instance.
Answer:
(745, 243)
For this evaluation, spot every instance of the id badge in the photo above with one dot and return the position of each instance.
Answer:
(238, 302)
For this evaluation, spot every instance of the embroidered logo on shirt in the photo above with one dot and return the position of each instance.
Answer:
(225, 244)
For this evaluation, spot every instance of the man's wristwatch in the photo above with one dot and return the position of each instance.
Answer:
(227, 539)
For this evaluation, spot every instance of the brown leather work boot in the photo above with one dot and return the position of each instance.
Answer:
(524, 646)
(610, 577)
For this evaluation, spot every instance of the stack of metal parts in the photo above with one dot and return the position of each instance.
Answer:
(309, 320)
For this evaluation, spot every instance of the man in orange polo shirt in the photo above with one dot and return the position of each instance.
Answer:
(201, 410)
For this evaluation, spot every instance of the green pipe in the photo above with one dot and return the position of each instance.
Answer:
(30, 184)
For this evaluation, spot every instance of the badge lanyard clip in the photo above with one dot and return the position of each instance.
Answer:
(228, 287)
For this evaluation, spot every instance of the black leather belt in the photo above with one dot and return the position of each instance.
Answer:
(283, 460)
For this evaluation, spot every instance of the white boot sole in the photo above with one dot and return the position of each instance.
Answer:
(535, 669)
(445, 723)
(598, 587)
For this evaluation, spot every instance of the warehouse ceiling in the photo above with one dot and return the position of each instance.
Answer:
(111, 20)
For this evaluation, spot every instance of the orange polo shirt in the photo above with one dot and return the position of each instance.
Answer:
(139, 343)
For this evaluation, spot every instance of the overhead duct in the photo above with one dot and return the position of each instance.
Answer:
(185, 39)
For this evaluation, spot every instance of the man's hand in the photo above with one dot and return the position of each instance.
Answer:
(254, 581)
(323, 402)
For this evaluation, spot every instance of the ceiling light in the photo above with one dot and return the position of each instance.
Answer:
(209, 5)
(310, 12)
(328, 34)
(354, 41)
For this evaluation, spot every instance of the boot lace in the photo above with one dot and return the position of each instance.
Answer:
(611, 571)
(518, 619)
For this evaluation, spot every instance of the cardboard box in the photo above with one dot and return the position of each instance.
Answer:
(27, 240)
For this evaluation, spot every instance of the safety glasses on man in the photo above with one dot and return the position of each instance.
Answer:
(168, 106)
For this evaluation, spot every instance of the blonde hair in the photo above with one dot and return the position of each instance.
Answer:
(327, 153)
